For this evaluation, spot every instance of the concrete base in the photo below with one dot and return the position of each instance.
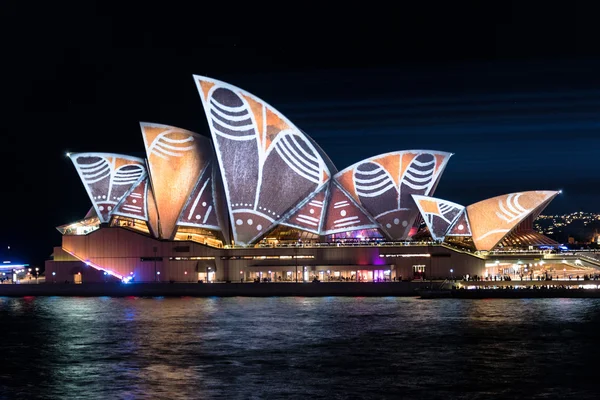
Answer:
(216, 289)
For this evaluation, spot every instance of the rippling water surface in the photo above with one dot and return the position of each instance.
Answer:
(298, 348)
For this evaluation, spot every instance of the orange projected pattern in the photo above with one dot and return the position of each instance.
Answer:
(438, 214)
(176, 158)
(152, 214)
(135, 203)
(343, 214)
(494, 218)
(309, 215)
(268, 166)
(266, 171)
(201, 210)
(461, 226)
(384, 186)
(107, 178)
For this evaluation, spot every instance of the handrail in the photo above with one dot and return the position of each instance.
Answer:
(463, 251)
(589, 260)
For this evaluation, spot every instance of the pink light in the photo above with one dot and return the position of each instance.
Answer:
(91, 264)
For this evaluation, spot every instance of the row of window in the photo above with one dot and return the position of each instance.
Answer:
(417, 255)
(264, 257)
(176, 258)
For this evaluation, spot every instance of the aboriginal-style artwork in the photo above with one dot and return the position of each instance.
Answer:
(200, 210)
(328, 163)
(438, 214)
(494, 218)
(268, 165)
(260, 170)
(176, 158)
(135, 203)
(107, 178)
(309, 214)
(220, 201)
(461, 226)
(152, 214)
(343, 213)
(384, 186)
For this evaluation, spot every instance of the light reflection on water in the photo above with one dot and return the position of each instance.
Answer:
(297, 348)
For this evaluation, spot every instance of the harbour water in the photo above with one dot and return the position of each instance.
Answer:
(298, 348)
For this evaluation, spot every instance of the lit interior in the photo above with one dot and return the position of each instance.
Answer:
(200, 235)
(130, 223)
(82, 227)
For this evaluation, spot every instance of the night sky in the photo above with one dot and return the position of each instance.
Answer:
(512, 90)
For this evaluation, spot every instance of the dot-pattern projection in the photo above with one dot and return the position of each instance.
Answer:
(267, 164)
(200, 210)
(135, 204)
(438, 214)
(107, 178)
(343, 213)
(384, 186)
(309, 215)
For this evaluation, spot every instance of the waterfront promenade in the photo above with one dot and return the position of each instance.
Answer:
(521, 289)
(521, 293)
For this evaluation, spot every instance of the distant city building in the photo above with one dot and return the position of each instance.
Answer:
(582, 225)
(262, 201)
(13, 271)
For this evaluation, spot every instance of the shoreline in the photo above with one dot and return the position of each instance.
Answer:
(322, 289)
(567, 293)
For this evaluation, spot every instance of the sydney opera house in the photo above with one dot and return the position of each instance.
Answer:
(261, 201)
